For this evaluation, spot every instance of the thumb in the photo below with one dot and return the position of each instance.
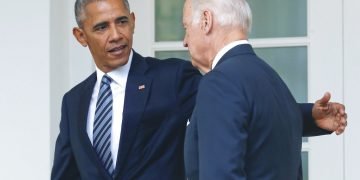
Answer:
(324, 100)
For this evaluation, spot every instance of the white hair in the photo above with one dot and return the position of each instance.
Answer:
(226, 12)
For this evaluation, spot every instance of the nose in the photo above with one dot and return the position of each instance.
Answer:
(115, 34)
(185, 44)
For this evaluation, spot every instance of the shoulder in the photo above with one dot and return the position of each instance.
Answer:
(231, 78)
(245, 66)
(216, 78)
(171, 67)
(78, 89)
(172, 63)
(156, 65)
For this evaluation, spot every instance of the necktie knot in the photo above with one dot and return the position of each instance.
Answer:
(106, 79)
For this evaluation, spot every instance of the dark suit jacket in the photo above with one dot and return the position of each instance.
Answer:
(153, 128)
(245, 125)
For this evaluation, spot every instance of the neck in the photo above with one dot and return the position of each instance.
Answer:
(227, 35)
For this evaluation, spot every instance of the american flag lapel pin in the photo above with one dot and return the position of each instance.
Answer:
(141, 87)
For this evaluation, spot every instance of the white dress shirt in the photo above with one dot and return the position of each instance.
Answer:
(225, 49)
(118, 85)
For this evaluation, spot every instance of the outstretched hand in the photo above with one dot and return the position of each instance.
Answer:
(330, 116)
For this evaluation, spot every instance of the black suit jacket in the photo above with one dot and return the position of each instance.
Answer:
(153, 128)
(246, 124)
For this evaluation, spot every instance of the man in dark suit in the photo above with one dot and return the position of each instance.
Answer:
(149, 100)
(246, 124)
(151, 103)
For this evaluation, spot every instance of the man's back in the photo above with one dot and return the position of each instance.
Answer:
(246, 123)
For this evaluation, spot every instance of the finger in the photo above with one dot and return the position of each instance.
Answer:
(324, 100)
(340, 130)
(342, 109)
(342, 119)
(334, 109)
(336, 124)
(342, 125)
(339, 108)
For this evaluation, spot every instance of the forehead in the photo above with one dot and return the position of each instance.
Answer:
(105, 8)
(187, 10)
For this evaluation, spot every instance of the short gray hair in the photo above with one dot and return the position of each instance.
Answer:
(80, 7)
(227, 12)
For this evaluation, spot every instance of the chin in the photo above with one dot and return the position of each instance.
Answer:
(113, 65)
(121, 62)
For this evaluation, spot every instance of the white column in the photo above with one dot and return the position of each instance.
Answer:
(24, 92)
(352, 87)
(70, 62)
(144, 26)
(326, 74)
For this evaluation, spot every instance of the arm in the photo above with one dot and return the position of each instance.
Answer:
(188, 79)
(64, 166)
(323, 117)
(222, 132)
(309, 125)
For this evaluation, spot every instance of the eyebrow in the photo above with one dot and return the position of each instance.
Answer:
(122, 18)
(104, 23)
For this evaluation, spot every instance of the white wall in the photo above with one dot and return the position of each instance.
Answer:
(144, 30)
(326, 74)
(352, 87)
(336, 50)
(40, 61)
(70, 62)
(24, 90)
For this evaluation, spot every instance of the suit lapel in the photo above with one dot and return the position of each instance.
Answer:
(136, 93)
(84, 104)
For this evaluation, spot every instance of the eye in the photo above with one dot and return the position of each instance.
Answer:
(122, 20)
(100, 27)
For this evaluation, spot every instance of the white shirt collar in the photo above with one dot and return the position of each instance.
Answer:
(225, 49)
(118, 75)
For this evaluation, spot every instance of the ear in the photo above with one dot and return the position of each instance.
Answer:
(206, 21)
(132, 16)
(80, 36)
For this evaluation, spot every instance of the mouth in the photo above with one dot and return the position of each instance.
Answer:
(118, 50)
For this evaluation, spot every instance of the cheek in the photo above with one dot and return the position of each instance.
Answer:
(129, 33)
(197, 43)
(190, 40)
(98, 48)
(98, 42)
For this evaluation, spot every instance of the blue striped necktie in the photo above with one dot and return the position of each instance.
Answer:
(102, 124)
